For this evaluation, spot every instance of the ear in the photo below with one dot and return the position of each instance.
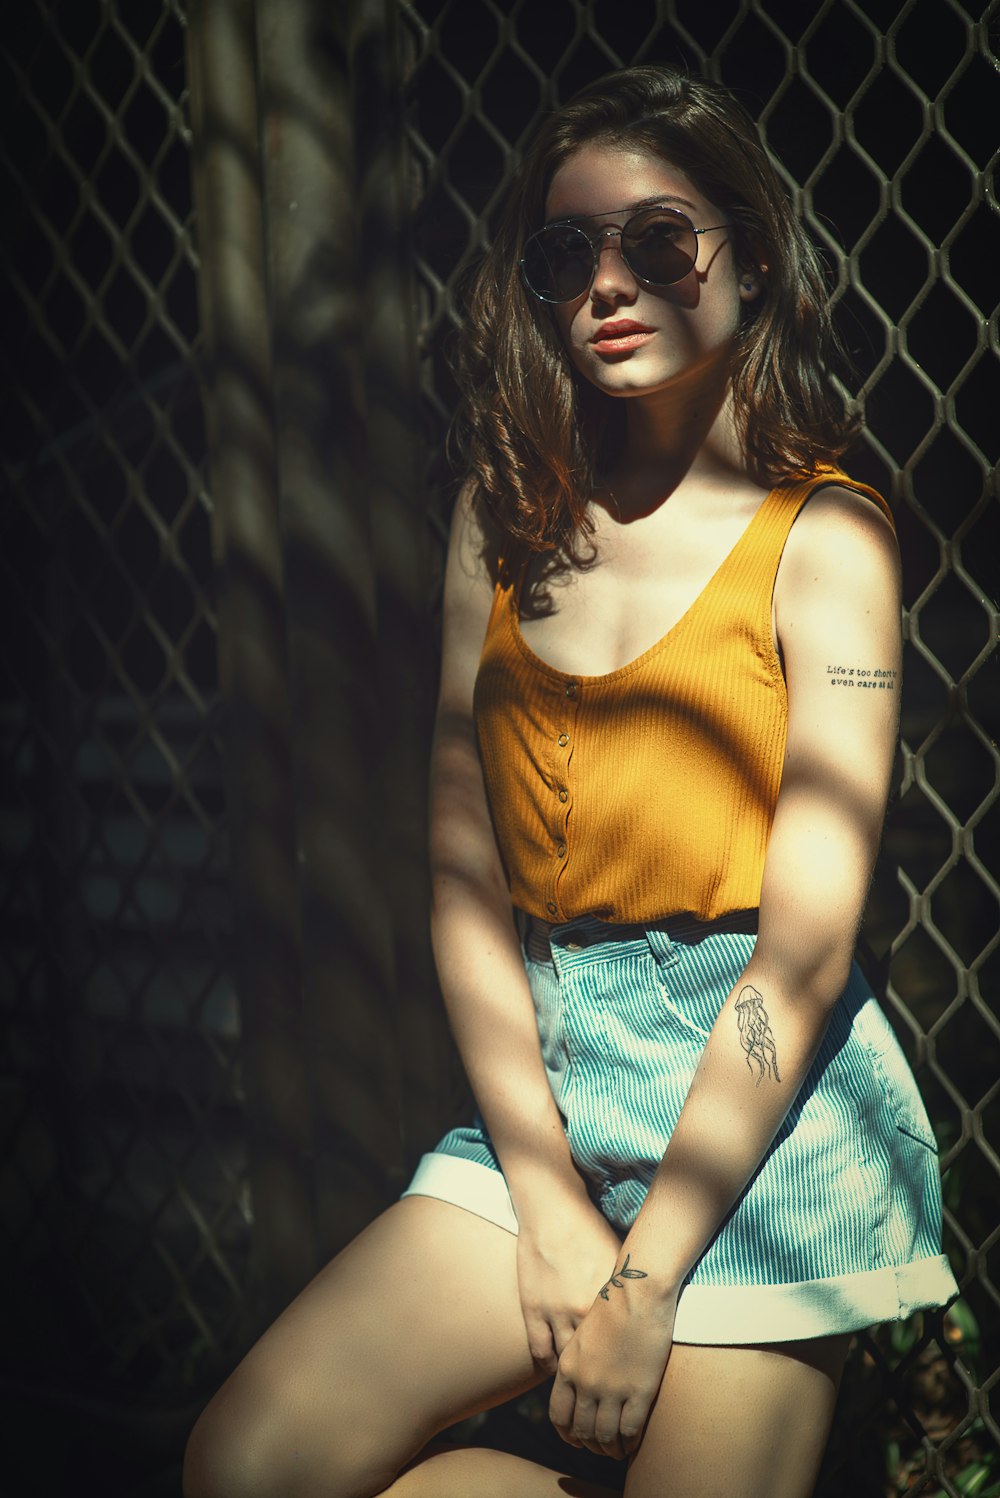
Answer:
(751, 281)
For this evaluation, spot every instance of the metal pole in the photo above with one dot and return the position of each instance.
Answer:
(316, 320)
(252, 651)
(385, 194)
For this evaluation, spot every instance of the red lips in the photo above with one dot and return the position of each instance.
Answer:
(620, 329)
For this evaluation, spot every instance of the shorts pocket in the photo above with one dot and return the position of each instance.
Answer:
(909, 1114)
(684, 1016)
(912, 1120)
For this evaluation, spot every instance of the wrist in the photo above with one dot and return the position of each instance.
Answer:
(541, 1191)
(664, 1274)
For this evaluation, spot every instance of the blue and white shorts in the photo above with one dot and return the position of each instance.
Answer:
(840, 1227)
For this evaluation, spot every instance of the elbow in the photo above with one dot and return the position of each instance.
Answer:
(835, 980)
(455, 885)
(822, 981)
(813, 974)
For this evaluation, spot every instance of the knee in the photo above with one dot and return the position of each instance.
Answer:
(245, 1446)
(222, 1459)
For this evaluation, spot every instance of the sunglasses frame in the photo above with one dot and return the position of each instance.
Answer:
(596, 239)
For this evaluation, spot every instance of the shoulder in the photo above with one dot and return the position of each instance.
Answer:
(843, 537)
(466, 535)
(839, 578)
(468, 597)
(475, 546)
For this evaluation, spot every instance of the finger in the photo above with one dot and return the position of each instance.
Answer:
(562, 1404)
(540, 1341)
(584, 1415)
(607, 1429)
(632, 1424)
(563, 1329)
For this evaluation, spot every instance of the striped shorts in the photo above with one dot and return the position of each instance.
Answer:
(840, 1227)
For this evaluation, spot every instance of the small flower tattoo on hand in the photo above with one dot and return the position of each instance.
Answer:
(624, 1273)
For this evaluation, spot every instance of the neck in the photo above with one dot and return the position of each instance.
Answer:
(684, 429)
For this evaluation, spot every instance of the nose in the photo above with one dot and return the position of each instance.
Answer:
(612, 277)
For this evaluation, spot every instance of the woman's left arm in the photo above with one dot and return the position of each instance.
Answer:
(837, 613)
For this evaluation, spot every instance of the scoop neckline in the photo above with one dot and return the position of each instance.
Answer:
(639, 661)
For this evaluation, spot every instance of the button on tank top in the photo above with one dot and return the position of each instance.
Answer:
(650, 791)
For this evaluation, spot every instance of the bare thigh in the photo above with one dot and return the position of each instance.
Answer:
(415, 1325)
(751, 1421)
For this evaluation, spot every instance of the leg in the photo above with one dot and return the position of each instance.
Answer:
(467, 1473)
(415, 1325)
(746, 1420)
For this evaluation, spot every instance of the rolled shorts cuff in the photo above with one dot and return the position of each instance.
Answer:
(735, 1315)
(466, 1183)
(729, 1315)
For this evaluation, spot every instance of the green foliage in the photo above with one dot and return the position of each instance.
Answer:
(928, 1367)
(979, 1478)
(974, 1480)
(904, 1335)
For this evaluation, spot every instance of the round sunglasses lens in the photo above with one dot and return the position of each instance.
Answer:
(558, 263)
(660, 245)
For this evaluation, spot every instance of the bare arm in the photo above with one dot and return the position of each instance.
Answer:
(475, 944)
(483, 980)
(838, 611)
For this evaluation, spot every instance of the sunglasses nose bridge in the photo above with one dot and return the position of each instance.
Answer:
(600, 241)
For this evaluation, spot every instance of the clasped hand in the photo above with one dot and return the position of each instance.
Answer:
(562, 1256)
(608, 1350)
(610, 1371)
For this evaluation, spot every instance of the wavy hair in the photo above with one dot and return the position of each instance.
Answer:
(531, 433)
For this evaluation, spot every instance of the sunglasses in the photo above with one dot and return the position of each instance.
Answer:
(659, 246)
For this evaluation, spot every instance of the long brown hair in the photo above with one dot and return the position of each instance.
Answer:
(532, 434)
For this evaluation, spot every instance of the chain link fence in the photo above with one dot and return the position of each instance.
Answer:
(134, 1191)
(882, 117)
(125, 1210)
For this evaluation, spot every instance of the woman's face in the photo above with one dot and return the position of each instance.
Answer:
(624, 335)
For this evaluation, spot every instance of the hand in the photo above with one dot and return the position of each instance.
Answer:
(611, 1371)
(563, 1255)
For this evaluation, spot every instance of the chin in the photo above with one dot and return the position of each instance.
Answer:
(619, 377)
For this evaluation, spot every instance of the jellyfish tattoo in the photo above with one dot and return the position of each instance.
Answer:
(755, 1034)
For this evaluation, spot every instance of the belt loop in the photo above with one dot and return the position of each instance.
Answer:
(536, 938)
(662, 948)
(555, 950)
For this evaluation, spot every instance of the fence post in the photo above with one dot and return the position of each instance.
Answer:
(311, 217)
(386, 190)
(252, 646)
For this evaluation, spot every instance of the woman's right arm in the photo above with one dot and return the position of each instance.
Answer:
(565, 1247)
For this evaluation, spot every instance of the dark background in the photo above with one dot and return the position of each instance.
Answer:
(200, 1027)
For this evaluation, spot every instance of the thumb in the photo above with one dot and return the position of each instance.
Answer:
(540, 1340)
(563, 1331)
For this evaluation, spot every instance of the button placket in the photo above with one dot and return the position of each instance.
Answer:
(570, 695)
(561, 789)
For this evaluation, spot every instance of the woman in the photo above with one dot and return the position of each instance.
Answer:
(665, 734)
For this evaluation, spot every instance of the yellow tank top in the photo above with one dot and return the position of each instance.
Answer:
(650, 791)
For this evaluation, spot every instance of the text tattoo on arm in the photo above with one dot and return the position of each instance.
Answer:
(873, 677)
(755, 1034)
